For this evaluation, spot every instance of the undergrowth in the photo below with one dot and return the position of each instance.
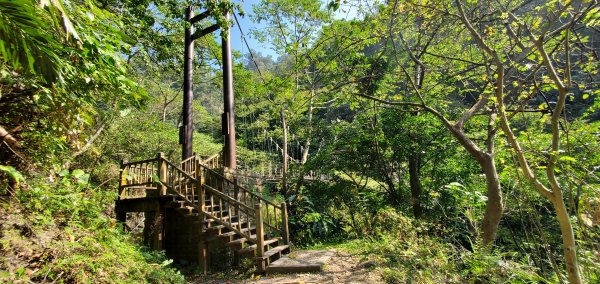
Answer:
(61, 231)
(407, 253)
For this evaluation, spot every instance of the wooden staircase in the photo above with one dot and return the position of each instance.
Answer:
(251, 225)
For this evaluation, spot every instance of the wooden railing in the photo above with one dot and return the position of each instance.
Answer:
(194, 194)
(139, 179)
(274, 215)
(195, 183)
(212, 162)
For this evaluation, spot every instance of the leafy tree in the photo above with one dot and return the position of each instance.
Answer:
(57, 84)
(541, 36)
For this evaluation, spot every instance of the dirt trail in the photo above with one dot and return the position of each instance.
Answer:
(340, 267)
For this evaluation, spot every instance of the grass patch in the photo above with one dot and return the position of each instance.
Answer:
(410, 255)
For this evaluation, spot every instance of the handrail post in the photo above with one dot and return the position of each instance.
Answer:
(236, 192)
(284, 221)
(162, 173)
(201, 194)
(260, 236)
(122, 180)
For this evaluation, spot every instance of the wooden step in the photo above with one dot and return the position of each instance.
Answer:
(233, 233)
(216, 226)
(262, 262)
(177, 203)
(220, 227)
(188, 210)
(226, 219)
(294, 268)
(237, 243)
(216, 213)
(251, 248)
(273, 251)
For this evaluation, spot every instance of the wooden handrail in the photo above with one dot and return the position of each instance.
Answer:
(161, 173)
(213, 191)
(188, 159)
(137, 174)
(210, 216)
(179, 169)
(226, 197)
(210, 158)
(140, 162)
(241, 187)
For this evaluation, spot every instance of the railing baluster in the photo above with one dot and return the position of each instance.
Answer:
(194, 187)
(235, 196)
(284, 223)
(267, 207)
(230, 214)
(275, 216)
(212, 204)
(220, 208)
(182, 185)
(122, 180)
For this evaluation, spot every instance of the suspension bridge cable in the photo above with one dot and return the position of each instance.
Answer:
(248, 46)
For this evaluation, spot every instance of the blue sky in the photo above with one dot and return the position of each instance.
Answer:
(346, 11)
(246, 24)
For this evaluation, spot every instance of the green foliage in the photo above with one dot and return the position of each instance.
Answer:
(15, 175)
(34, 53)
(406, 253)
(482, 266)
(139, 135)
(60, 231)
(311, 219)
(56, 85)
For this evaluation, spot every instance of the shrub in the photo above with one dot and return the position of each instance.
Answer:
(59, 231)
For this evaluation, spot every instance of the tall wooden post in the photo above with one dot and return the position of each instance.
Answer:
(228, 115)
(260, 237)
(203, 242)
(187, 128)
(157, 228)
(284, 223)
(203, 254)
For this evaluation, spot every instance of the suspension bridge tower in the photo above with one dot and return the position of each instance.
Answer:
(227, 117)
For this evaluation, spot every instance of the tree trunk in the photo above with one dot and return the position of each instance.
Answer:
(415, 184)
(309, 129)
(568, 238)
(493, 207)
(90, 142)
(284, 151)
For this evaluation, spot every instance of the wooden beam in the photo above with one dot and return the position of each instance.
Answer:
(203, 254)
(199, 17)
(203, 32)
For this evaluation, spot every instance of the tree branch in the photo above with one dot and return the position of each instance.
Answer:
(8, 138)
(89, 143)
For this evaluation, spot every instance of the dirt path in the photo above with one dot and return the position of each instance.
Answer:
(340, 267)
